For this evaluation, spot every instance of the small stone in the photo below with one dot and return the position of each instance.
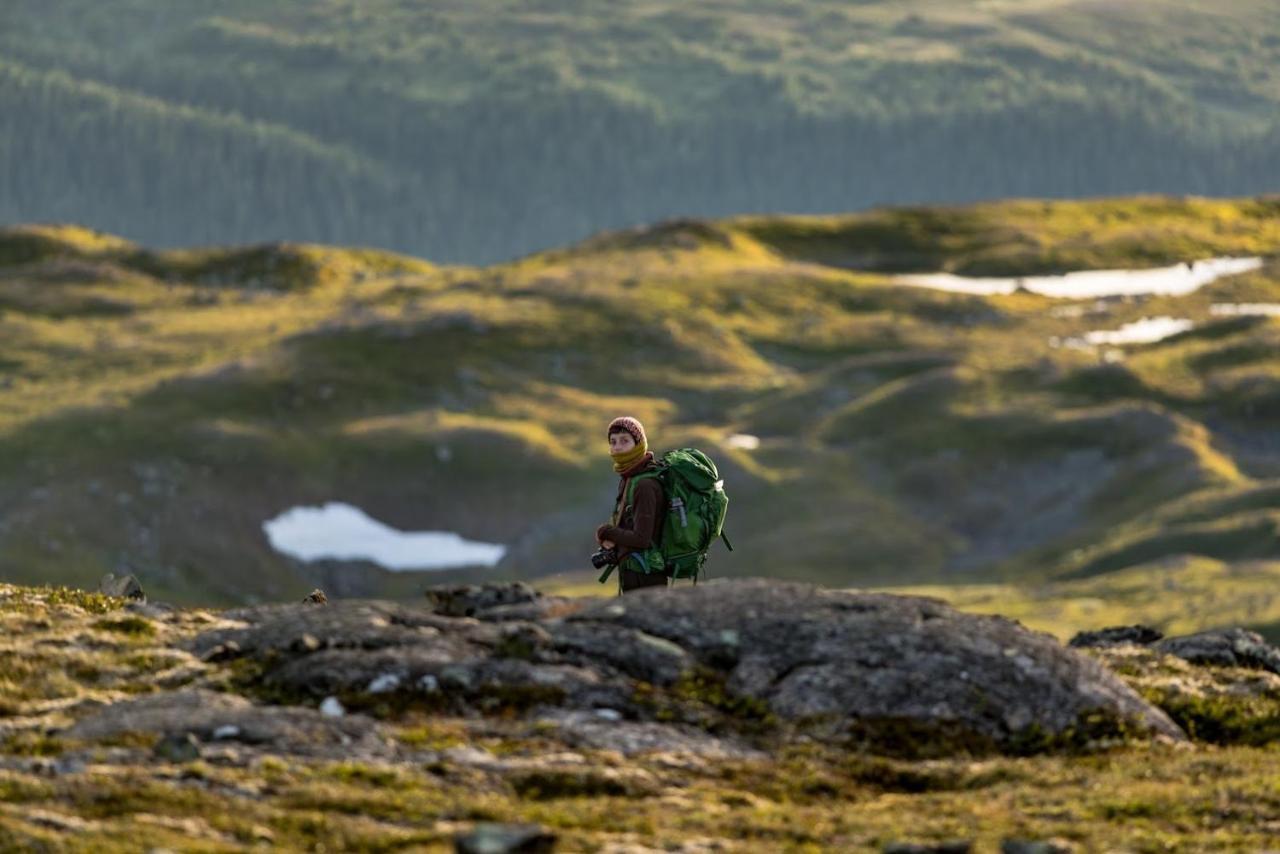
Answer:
(68, 765)
(262, 834)
(126, 587)
(56, 821)
(1036, 846)
(456, 677)
(490, 838)
(609, 714)
(384, 683)
(315, 597)
(429, 683)
(223, 652)
(955, 846)
(1137, 634)
(226, 731)
(305, 643)
(177, 748)
(331, 708)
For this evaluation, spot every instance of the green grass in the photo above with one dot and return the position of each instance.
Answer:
(909, 435)
(1177, 596)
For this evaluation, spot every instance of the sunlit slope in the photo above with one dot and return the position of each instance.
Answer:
(157, 407)
(477, 131)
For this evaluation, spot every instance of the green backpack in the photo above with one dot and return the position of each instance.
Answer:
(696, 507)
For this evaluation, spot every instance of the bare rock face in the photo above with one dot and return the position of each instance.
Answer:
(746, 659)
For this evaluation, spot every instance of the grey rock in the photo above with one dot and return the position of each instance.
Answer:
(198, 713)
(56, 767)
(150, 610)
(828, 664)
(344, 624)
(542, 608)
(1036, 846)
(125, 587)
(468, 600)
(1224, 648)
(221, 652)
(384, 683)
(856, 658)
(1141, 635)
(177, 748)
(637, 653)
(957, 846)
(491, 838)
(588, 729)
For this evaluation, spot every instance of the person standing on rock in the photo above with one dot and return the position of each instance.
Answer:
(639, 508)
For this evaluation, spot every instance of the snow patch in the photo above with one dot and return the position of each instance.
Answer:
(1148, 330)
(340, 531)
(1168, 281)
(1227, 309)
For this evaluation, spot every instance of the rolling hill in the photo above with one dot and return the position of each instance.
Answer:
(157, 406)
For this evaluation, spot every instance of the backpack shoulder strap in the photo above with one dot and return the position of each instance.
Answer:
(649, 474)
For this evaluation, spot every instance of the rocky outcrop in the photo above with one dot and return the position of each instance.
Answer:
(1220, 686)
(747, 659)
(1234, 647)
(1224, 648)
(1115, 635)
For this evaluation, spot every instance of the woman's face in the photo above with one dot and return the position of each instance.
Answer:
(620, 442)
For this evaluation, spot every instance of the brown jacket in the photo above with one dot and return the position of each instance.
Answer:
(639, 524)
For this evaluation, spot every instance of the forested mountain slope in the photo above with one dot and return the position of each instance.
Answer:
(478, 131)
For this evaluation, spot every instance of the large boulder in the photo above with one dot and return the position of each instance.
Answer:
(751, 658)
(883, 664)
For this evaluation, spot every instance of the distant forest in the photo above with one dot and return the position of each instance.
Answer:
(475, 132)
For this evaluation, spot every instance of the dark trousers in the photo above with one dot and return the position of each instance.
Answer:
(632, 580)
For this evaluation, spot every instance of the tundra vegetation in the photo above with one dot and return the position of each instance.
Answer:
(410, 770)
(156, 406)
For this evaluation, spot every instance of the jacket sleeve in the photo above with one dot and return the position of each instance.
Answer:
(644, 518)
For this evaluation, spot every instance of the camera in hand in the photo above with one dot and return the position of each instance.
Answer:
(604, 557)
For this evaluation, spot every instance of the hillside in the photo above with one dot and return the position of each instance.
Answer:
(476, 132)
(157, 407)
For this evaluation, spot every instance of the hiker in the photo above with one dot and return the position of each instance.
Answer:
(636, 525)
